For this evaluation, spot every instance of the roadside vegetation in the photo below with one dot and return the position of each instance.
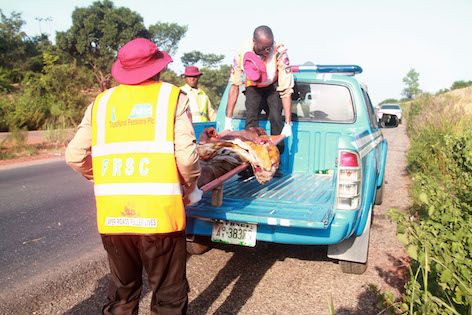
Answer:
(437, 228)
(46, 85)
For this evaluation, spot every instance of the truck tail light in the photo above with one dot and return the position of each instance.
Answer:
(348, 190)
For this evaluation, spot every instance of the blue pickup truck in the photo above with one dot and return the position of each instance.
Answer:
(332, 173)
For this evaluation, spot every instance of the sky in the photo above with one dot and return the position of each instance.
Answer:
(385, 38)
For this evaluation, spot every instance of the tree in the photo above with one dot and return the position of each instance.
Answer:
(215, 76)
(207, 60)
(460, 85)
(167, 36)
(214, 82)
(18, 52)
(389, 101)
(97, 33)
(100, 30)
(412, 84)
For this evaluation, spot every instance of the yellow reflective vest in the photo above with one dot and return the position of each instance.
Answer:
(198, 108)
(270, 63)
(137, 188)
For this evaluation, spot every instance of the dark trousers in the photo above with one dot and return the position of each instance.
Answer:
(268, 98)
(163, 256)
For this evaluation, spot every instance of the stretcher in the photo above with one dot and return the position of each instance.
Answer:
(220, 180)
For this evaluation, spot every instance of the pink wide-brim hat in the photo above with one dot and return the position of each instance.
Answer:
(191, 71)
(139, 60)
(254, 67)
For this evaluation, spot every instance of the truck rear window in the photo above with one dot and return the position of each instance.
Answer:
(316, 102)
(322, 103)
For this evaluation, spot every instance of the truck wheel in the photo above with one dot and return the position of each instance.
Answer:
(395, 121)
(353, 267)
(379, 195)
(199, 246)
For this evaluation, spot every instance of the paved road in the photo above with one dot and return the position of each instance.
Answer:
(267, 279)
(47, 217)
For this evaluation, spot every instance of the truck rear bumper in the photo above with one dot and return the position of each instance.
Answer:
(294, 209)
(339, 229)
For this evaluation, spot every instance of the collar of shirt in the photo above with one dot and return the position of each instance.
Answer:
(197, 90)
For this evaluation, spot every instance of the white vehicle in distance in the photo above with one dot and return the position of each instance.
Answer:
(390, 109)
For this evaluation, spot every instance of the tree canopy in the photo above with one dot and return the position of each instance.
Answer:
(207, 60)
(18, 52)
(411, 81)
(97, 33)
(167, 36)
(100, 30)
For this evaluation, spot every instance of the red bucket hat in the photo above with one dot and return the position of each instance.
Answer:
(139, 60)
(254, 67)
(191, 71)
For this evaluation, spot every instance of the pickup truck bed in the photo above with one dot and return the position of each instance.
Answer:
(294, 200)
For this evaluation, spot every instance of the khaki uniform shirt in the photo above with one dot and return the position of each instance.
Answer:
(285, 76)
(200, 97)
(79, 151)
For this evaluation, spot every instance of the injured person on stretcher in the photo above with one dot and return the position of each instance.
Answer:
(220, 153)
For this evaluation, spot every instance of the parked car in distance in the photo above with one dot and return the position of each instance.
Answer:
(390, 109)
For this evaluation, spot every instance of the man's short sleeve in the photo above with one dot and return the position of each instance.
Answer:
(236, 77)
(285, 75)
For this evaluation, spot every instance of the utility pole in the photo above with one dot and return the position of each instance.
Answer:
(48, 19)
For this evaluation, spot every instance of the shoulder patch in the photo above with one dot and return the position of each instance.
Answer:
(285, 60)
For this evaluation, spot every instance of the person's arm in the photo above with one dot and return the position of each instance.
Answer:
(236, 79)
(287, 106)
(285, 82)
(79, 150)
(232, 99)
(186, 156)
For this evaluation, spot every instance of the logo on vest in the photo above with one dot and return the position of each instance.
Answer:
(141, 111)
(141, 114)
(128, 212)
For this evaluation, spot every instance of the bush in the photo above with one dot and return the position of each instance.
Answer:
(55, 98)
(6, 79)
(460, 85)
(437, 229)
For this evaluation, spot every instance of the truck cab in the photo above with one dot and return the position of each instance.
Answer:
(332, 174)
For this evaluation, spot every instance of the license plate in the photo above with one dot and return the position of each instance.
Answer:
(234, 233)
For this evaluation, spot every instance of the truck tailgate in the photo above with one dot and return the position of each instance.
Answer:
(295, 200)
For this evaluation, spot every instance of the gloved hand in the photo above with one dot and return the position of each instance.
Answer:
(228, 125)
(194, 197)
(287, 130)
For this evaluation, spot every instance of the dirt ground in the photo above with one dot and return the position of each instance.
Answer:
(270, 278)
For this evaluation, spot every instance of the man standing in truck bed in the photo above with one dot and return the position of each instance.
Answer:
(269, 80)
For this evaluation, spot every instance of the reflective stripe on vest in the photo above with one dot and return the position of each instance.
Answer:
(199, 111)
(270, 64)
(137, 188)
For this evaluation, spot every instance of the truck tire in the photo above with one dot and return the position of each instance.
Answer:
(395, 121)
(353, 267)
(379, 195)
(198, 246)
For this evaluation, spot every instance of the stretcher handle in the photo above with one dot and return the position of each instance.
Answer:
(223, 178)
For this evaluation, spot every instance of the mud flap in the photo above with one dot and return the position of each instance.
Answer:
(355, 248)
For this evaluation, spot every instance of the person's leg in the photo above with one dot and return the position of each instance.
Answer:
(253, 101)
(126, 268)
(274, 102)
(165, 258)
